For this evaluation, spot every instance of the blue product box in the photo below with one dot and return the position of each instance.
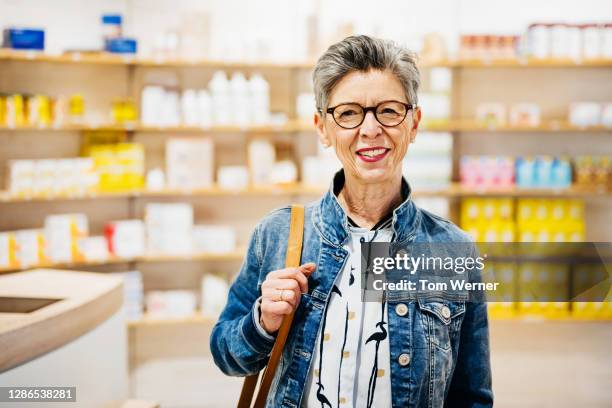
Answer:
(122, 46)
(525, 172)
(24, 39)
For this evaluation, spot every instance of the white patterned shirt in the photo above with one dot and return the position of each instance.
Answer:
(350, 366)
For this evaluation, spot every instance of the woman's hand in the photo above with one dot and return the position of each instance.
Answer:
(280, 294)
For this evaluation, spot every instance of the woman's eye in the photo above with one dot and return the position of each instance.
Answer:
(348, 113)
(388, 111)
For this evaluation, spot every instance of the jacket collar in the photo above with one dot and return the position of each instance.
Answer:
(332, 221)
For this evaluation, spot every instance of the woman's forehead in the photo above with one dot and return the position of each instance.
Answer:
(367, 88)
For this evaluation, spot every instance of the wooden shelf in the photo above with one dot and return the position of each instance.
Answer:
(236, 255)
(149, 321)
(452, 191)
(102, 58)
(198, 319)
(292, 126)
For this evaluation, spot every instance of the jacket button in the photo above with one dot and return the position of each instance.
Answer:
(404, 359)
(402, 252)
(401, 309)
(446, 312)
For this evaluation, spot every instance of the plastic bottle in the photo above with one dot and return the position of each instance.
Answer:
(221, 105)
(260, 99)
(239, 97)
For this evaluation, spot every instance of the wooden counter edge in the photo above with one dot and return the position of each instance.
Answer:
(26, 343)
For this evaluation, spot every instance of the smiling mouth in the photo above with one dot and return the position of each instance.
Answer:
(372, 155)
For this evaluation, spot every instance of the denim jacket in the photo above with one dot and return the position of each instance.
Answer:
(437, 360)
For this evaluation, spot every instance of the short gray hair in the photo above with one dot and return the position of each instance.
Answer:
(364, 53)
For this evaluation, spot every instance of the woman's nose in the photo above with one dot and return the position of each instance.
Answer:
(370, 126)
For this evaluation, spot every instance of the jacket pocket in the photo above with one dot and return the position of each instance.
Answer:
(441, 320)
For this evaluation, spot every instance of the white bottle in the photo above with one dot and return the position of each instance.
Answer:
(189, 107)
(151, 101)
(260, 99)
(239, 91)
(205, 118)
(221, 105)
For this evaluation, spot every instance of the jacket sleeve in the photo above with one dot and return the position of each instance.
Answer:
(471, 382)
(238, 348)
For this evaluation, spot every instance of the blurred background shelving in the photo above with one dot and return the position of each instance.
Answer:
(499, 134)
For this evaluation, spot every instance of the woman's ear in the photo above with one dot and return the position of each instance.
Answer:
(416, 118)
(321, 131)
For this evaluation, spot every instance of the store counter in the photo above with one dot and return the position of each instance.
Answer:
(64, 328)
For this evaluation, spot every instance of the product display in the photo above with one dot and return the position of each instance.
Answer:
(189, 163)
(169, 228)
(126, 239)
(594, 171)
(133, 296)
(487, 171)
(429, 162)
(233, 177)
(536, 220)
(120, 166)
(214, 295)
(214, 238)
(170, 304)
(62, 235)
(237, 101)
(49, 177)
(488, 47)
(24, 39)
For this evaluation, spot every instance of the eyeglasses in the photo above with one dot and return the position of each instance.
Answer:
(387, 113)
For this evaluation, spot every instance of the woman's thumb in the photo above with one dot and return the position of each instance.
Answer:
(308, 268)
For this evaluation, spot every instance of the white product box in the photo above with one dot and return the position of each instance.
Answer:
(20, 179)
(525, 114)
(214, 295)
(233, 177)
(61, 234)
(126, 239)
(491, 113)
(169, 228)
(284, 172)
(440, 79)
(262, 156)
(189, 162)
(133, 302)
(30, 247)
(214, 238)
(171, 304)
(93, 248)
(585, 113)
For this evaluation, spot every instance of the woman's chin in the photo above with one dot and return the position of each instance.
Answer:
(372, 176)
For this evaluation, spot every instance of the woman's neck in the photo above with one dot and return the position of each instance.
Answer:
(367, 204)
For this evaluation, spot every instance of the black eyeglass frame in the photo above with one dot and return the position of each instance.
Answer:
(367, 109)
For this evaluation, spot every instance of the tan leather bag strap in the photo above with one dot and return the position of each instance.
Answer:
(292, 260)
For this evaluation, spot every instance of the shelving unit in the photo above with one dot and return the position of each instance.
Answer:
(455, 190)
(454, 126)
(236, 255)
(473, 81)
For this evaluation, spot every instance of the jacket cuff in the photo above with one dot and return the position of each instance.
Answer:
(254, 334)
(257, 320)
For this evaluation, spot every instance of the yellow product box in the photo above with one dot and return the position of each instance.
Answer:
(2, 110)
(8, 250)
(592, 310)
(471, 211)
(105, 164)
(130, 158)
(501, 303)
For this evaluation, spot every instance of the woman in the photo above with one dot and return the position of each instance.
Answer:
(343, 352)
